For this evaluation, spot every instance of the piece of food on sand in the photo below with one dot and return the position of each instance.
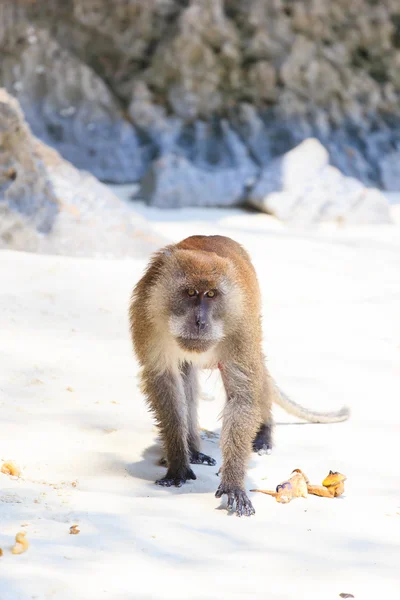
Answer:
(74, 530)
(294, 487)
(21, 543)
(9, 467)
(332, 486)
(298, 486)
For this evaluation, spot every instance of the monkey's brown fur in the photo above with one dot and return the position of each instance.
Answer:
(198, 305)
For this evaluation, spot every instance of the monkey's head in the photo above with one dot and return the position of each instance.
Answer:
(196, 292)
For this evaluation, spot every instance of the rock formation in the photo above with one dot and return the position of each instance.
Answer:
(26, 192)
(117, 90)
(47, 205)
(301, 187)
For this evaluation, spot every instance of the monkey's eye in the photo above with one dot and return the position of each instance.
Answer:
(191, 292)
(210, 294)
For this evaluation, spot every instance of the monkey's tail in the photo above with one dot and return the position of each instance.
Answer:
(302, 412)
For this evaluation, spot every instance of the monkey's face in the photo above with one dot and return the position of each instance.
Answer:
(196, 315)
(195, 299)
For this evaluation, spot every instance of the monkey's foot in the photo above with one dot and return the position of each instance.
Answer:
(262, 449)
(262, 444)
(176, 478)
(198, 458)
(243, 504)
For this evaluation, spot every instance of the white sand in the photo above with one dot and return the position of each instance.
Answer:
(332, 334)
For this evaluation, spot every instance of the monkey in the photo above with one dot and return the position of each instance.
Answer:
(198, 305)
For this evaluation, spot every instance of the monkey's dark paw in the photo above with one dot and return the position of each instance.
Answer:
(176, 479)
(243, 504)
(167, 482)
(198, 458)
(262, 449)
(262, 443)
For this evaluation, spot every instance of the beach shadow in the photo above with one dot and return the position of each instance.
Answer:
(149, 469)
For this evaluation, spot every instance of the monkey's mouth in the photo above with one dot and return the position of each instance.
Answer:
(196, 344)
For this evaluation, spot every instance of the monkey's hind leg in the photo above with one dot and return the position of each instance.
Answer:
(263, 442)
(166, 396)
(190, 384)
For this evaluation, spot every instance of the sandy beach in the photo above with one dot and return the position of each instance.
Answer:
(73, 419)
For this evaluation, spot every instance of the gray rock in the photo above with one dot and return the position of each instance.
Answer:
(346, 155)
(264, 134)
(326, 69)
(293, 170)
(48, 206)
(207, 166)
(70, 108)
(390, 171)
(302, 187)
(161, 129)
(172, 181)
(27, 196)
(92, 220)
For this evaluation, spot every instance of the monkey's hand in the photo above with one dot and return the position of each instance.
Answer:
(176, 477)
(198, 458)
(243, 504)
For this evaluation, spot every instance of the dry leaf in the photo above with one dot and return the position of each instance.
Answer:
(74, 530)
(1, 552)
(69, 389)
(21, 543)
(343, 595)
(10, 468)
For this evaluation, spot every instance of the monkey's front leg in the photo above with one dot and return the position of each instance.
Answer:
(166, 396)
(240, 419)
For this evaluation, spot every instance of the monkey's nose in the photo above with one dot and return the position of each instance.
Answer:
(201, 324)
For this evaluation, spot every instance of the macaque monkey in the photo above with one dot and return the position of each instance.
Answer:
(198, 305)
